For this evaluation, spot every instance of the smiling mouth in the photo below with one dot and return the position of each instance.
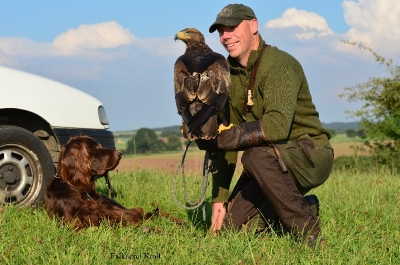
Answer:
(230, 45)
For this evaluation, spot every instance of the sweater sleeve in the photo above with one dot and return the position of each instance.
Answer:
(280, 89)
(225, 164)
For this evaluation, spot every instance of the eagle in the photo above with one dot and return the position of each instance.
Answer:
(201, 84)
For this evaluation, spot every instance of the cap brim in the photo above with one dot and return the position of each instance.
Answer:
(226, 21)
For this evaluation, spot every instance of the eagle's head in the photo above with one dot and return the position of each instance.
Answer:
(189, 36)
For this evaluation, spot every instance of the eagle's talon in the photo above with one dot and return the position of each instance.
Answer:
(223, 127)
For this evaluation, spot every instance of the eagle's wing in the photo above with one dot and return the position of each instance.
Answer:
(184, 85)
(201, 82)
(214, 83)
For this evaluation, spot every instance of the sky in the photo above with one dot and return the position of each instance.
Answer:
(123, 52)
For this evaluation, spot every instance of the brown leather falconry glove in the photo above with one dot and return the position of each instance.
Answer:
(238, 138)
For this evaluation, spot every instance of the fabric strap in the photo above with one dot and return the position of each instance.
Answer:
(248, 98)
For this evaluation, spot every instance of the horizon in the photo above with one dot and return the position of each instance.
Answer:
(160, 128)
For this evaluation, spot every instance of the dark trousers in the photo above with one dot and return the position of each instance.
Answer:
(266, 188)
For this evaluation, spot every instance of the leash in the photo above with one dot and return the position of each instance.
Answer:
(181, 167)
(110, 189)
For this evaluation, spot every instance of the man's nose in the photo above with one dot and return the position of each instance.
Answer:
(225, 34)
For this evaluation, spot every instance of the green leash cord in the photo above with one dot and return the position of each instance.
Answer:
(181, 167)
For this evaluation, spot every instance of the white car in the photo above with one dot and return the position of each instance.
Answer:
(37, 117)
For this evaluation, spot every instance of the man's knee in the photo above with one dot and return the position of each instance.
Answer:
(252, 156)
(247, 158)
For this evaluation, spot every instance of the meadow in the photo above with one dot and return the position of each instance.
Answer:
(359, 214)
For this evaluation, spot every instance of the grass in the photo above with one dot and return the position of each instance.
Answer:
(360, 218)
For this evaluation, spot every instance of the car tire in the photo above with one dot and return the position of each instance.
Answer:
(26, 167)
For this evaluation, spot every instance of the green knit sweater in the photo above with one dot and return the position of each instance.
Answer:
(282, 101)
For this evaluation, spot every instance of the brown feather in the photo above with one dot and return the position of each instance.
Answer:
(201, 84)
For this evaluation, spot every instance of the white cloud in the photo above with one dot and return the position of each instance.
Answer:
(312, 25)
(13, 46)
(5, 60)
(93, 37)
(107, 40)
(375, 23)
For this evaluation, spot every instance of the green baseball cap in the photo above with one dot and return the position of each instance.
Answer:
(231, 15)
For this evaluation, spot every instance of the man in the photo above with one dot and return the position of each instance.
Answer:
(286, 149)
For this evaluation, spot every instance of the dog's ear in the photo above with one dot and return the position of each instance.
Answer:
(74, 164)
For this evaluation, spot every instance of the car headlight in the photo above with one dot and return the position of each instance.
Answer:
(103, 116)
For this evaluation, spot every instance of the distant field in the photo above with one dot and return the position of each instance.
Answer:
(346, 148)
(168, 161)
(120, 143)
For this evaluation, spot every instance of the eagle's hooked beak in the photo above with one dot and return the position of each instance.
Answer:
(180, 36)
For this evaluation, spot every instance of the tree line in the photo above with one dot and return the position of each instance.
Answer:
(146, 141)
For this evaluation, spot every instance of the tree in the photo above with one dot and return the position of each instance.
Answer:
(130, 146)
(174, 143)
(146, 142)
(168, 133)
(157, 146)
(351, 133)
(380, 114)
(332, 132)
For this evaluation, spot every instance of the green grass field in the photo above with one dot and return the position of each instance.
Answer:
(360, 218)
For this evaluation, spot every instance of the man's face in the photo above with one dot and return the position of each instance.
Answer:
(239, 40)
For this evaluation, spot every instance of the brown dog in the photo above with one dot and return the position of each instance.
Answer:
(71, 196)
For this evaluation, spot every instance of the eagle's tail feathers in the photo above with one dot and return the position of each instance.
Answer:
(200, 117)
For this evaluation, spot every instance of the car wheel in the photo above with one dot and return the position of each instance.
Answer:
(25, 167)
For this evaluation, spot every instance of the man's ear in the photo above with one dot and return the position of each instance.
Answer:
(254, 26)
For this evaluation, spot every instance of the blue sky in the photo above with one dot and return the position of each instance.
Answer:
(123, 52)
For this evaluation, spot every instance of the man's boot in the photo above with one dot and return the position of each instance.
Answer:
(313, 202)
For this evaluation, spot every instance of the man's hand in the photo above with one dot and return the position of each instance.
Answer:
(217, 216)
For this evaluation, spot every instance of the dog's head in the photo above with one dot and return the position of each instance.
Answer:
(83, 159)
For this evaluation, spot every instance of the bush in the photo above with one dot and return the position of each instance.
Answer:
(145, 142)
(169, 133)
(174, 143)
(361, 164)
